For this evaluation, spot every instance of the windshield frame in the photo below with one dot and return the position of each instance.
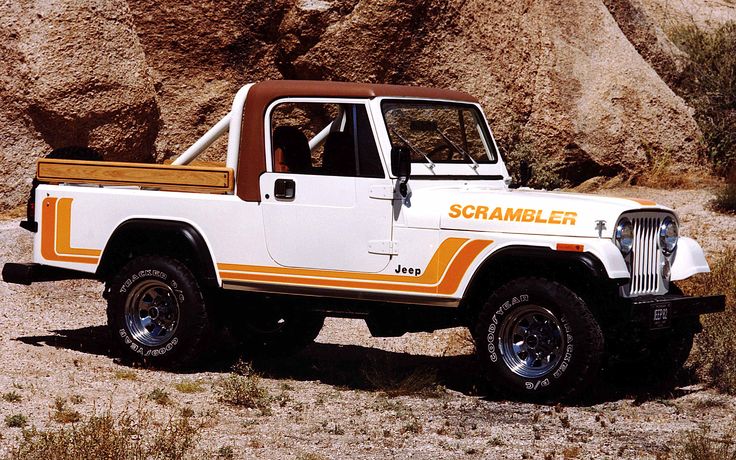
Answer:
(486, 137)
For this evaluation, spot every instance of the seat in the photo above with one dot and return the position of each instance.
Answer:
(294, 150)
(339, 155)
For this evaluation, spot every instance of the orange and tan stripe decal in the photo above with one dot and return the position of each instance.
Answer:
(443, 273)
(56, 226)
(643, 202)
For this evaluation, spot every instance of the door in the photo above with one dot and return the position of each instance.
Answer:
(327, 201)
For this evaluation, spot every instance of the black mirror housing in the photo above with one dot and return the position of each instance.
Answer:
(401, 161)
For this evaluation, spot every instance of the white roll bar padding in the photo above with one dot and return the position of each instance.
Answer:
(236, 121)
(320, 137)
(203, 142)
(231, 122)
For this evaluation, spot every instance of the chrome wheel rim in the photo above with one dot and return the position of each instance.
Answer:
(531, 341)
(152, 313)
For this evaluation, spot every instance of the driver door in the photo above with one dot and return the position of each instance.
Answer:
(329, 204)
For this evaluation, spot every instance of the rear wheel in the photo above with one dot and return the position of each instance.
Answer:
(156, 312)
(538, 340)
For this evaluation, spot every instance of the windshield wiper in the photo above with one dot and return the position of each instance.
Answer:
(475, 164)
(415, 149)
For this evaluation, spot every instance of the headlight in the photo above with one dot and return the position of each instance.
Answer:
(668, 235)
(624, 236)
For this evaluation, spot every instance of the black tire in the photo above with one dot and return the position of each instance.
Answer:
(267, 330)
(156, 313)
(538, 340)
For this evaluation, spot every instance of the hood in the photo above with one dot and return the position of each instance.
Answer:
(521, 211)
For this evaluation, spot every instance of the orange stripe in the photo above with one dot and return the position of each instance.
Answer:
(449, 283)
(51, 249)
(643, 202)
(434, 270)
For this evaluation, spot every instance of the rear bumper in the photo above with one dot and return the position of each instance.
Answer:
(650, 310)
(32, 273)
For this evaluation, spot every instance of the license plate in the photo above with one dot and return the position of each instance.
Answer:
(661, 316)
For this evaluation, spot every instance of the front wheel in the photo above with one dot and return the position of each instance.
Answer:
(156, 312)
(538, 340)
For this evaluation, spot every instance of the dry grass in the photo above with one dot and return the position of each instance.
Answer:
(243, 388)
(160, 396)
(62, 413)
(663, 173)
(113, 437)
(701, 445)
(12, 397)
(189, 386)
(16, 421)
(126, 375)
(716, 345)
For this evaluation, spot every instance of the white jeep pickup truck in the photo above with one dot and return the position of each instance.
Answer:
(388, 203)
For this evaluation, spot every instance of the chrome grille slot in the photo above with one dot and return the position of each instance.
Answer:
(645, 277)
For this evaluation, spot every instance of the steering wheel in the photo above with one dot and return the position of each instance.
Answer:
(437, 150)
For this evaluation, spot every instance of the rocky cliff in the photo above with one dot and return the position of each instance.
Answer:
(579, 83)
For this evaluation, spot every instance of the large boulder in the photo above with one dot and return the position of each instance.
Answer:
(558, 78)
(74, 74)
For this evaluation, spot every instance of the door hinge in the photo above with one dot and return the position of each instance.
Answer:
(383, 247)
(382, 192)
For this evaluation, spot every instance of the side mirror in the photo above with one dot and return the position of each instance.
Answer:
(401, 167)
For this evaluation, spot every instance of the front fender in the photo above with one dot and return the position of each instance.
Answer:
(689, 260)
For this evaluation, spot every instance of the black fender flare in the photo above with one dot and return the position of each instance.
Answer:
(543, 257)
(175, 238)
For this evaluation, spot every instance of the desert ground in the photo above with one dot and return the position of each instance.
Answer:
(338, 398)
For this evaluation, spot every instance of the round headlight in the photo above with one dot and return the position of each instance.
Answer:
(624, 236)
(668, 235)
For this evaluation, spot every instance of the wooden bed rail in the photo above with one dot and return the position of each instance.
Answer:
(202, 179)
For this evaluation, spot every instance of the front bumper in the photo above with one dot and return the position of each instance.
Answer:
(658, 312)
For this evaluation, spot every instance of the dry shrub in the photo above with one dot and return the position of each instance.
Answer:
(243, 388)
(108, 436)
(384, 376)
(707, 84)
(62, 413)
(160, 396)
(700, 445)
(725, 200)
(716, 345)
(663, 173)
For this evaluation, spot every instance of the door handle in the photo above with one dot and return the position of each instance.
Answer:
(284, 189)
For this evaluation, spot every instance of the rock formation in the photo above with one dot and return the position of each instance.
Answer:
(577, 82)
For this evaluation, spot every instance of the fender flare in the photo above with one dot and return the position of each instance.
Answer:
(586, 261)
(152, 235)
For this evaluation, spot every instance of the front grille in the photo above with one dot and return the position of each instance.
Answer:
(646, 258)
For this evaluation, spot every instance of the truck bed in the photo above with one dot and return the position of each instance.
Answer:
(201, 179)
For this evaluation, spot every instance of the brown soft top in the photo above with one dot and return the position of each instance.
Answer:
(274, 89)
(252, 161)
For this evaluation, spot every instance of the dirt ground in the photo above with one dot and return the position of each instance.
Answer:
(53, 343)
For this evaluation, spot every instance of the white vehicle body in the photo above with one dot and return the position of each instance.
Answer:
(420, 232)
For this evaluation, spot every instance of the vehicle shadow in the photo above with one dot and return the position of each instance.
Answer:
(358, 367)
(94, 340)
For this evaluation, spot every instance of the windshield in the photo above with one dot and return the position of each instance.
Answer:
(439, 132)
